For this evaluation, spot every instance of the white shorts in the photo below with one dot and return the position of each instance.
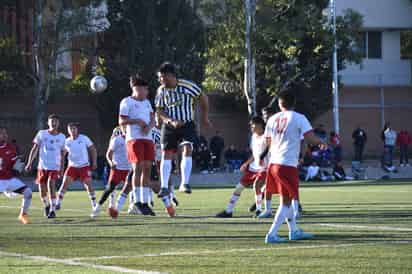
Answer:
(11, 185)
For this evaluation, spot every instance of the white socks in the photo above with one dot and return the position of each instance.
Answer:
(258, 201)
(165, 170)
(295, 207)
(235, 197)
(121, 200)
(268, 205)
(26, 200)
(186, 169)
(291, 219)
(280, 216)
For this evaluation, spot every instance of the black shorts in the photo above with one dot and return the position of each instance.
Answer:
(171, 137)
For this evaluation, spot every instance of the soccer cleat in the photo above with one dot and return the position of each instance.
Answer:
(133, 210)
(175, 201)
(265, 214)
(113, 213)
(145, 209)
(274, 239)
(252, 208)
(95, 212)
(186, 188)
(46, 211)
(24, 218)
(171, 211)
(257, 213)
(163, 192)
(224, 214)
(58, 206)
(299, 235)
(51, 215)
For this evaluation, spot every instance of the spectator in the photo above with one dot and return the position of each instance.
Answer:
(389, 140)
(313, 172)
(232, 158)
(403, 141)
(339, 172)
(202, 140)
(204, 158)
(217, 144)
(334, 141)
(321, 133)
(359, 140)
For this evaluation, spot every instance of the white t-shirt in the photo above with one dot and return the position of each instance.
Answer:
(119, 158)
(50, 148)
(78, 154)
(285, 129)
(257, 145)
(135, 109)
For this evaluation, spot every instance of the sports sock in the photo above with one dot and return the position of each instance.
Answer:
(53, 202)
(60, 195)
(145, 195)
(166, 201)
(120, 201)
(295, 207)
(235, 197)
(45, 201)
(280, 216)
(27, 195)
(186, 169)
(137, 192)
(112, 197)
(258, 200)
(268, 205)
(92, 197)
(165, 170)
(291, 220)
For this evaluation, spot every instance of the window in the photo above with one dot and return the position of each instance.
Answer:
(406, 44)
(371, 45)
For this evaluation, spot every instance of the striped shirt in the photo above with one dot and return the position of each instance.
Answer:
(178, 103)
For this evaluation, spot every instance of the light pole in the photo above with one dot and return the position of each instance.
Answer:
(250, 70)
(335, 85)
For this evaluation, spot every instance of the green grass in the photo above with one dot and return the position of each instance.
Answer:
(358, 228)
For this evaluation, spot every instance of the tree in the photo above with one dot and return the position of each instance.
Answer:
(292, 47)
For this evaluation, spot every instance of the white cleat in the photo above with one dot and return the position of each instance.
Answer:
(133, 210)
(299, 235)
(95, 212)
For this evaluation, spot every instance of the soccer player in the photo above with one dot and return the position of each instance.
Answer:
(137, 114)
(283, 133)
(120, 167)
(79, 149)
(8, 182)
(49, 145)
(175, 102)
(253, 172)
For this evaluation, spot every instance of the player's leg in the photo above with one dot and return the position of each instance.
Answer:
(267, 213)
(246, 180)
(90, 191)
(127, 188)
(41, 182)
(51, 187)
(145, 189)
(186, 167)
(257, 186)
(67, 181)
(169, 141)
(17, 186)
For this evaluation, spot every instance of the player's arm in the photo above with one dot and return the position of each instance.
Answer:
(151, 124)
(125, 120)
(244, 166)
(109, 157)
(62, 160)
(204, 107)
(311, 139)
(93, 156)
(33, 154)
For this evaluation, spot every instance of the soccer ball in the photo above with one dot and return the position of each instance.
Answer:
(112, 212)
(98, 84)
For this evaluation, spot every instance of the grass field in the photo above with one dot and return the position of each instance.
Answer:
(358, 229)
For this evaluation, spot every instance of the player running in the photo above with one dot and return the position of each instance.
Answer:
(283, 133)
(79, 149)
(9, 162)
(120, 167)
(49, 145)
(254, 174)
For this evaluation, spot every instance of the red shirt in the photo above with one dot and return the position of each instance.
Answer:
(8, 157)
(404, 138)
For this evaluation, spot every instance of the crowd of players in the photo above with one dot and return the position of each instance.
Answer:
(145, 136)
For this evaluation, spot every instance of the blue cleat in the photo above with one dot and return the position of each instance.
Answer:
(265, 214)
(299, 235)
(274, 239)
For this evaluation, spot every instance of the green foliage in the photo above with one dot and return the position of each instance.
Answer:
(142, 35)
(292, 44)
(406, 44)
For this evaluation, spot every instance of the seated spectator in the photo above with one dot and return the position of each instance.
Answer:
(339, 172)
(320, 132)
(313, 172)
(334, 142)
(232, 158)
(204, 158)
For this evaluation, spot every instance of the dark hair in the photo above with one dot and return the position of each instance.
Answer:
(257, 120)
(269, 109)
(288, 100)
(137, 81)
(167, 67)
(73, 124)
(53, 116)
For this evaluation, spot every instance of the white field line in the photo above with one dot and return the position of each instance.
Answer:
(206, 252)
(370, 228)
(74, 263)
(63, 209)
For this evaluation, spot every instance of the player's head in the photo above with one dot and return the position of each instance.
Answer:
(267, 112)
(167, 75)
(286, 101)
(139, 86)
(73, 129)
(53, 122)
(257, 125)
(117, 131)
(3, 135)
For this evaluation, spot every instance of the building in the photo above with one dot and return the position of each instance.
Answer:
(380, 88)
